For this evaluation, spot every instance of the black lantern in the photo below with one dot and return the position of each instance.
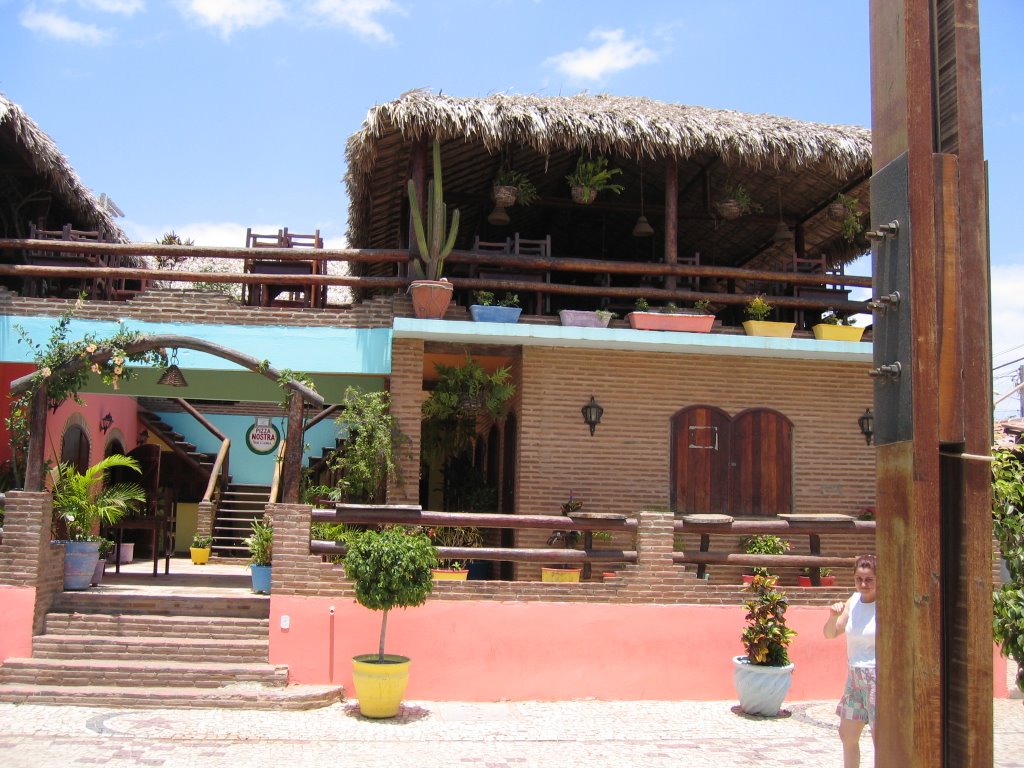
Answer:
(105, 423)
(867, 425)
(592, 413)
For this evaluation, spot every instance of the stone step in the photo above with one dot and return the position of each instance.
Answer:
(245, 605)
(165, 646)
(142, 625)
(135, 673)
(241, 696)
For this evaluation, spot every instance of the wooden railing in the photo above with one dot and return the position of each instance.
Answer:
(217, 477)
(275, 483)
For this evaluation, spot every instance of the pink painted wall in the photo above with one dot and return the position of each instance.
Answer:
(123, 410)
(483, 651)
(17, 605)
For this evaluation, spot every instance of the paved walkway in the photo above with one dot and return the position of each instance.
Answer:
(588, 734)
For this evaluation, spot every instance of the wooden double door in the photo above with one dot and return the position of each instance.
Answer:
(738, 465)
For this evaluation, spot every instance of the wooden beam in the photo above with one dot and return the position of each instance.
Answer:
(671, 218)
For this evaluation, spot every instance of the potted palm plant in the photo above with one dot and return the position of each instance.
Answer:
(200, 549)
(261, 546)
(758, 324)
(764, 673)
(430, 293)
(591, 177)
(390, 568)
(78, 508)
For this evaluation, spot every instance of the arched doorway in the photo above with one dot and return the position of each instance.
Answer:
(740, 465)
(75, 448)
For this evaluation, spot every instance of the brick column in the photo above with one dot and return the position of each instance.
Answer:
(295, 571)
(655, 574)
(27, 558)
(204, 519)
(406, 399)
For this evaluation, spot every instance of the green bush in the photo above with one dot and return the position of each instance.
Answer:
(1008, 528)
(260, 543)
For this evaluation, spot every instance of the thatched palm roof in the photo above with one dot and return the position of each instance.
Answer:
(37, 179)
(808, 163)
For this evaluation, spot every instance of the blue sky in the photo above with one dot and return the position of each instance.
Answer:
(210, 116)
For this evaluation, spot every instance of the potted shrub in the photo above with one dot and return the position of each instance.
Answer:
(569, 539)
(764, 673)
(764, 544)
(261, 545)
(200, 549)
(489, 310)
(826, 579)
(511, 187)
(390, 568)
(835, 328)
(758, 309)
(78, 508)
(106, 547)
(591, 177)
(430, 293)
(846, 211)
(453, 536)
(699, 319)
(585, 318)
(736, 202)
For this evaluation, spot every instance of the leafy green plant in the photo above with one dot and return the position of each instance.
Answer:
(434, 246)
(202, 542)
(766, 637)
(824, 571)
(368, 460)
(758, 308)
(455, 536)
(390, 568)
(106, 547)
(846, 210)
(832, 317)
(1008, 528)
(487, 299)
(741, 197)
(77, 504)
(594, 175)
(568, 539)
(703, 306)
(260, 543)
(641, 305)
(527, 192)
(765, 544)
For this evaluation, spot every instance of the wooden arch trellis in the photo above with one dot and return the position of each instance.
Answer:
(298, 395)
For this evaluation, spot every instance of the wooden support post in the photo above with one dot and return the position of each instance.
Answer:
(671, 218)
(291, 472)
(36, 440)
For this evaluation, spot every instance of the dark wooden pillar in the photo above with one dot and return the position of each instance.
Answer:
(36, 440)
(418, 174)
(671, 218)
(932, 416)
(291, 472)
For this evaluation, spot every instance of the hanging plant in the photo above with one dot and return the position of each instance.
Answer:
(846, 210)
(737, 202)
(591, 177)
(511, 187)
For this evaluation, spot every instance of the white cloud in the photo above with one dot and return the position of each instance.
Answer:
(229, 16)
(613, 54)
(1007, 322)
(125, 7)
(357, 16)
(62, 28)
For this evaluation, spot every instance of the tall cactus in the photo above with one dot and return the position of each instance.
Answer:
(434, 246)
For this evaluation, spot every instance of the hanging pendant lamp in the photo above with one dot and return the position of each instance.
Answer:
(782, 233)
(642, 228)
(172, 376)
(498, 217)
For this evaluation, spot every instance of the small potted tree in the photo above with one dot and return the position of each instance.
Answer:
(200, 549)
(764, 673)
(758, 324)
(390, 568)
(430, 293)
(591, 177)
(488, 309)
(261, 545)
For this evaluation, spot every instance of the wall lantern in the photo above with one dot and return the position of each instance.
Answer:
(105, 423)
(867, 425)
(592, 413)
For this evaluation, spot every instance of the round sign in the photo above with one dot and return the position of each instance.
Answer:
(262, 438)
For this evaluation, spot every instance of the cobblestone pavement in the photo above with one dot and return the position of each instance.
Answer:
(594, 734)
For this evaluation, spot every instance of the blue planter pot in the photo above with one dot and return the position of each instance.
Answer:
(260, 579)
(80, 558)
(484, 314)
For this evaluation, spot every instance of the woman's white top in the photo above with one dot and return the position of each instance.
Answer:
(860, 632)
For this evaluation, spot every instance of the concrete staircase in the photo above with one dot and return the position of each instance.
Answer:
(239, 506)
(151, 651)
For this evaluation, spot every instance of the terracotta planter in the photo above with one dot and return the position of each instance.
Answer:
(768, 328)
(824, 331)
(584, 318)
(430, 298)
(560, 575)
(448, 574)
(659, 321)
(826, 581)
(491, 314)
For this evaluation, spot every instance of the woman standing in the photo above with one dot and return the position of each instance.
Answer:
(856, 619)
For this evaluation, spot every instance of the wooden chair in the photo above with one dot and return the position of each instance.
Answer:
(95, 288)
(266, 294)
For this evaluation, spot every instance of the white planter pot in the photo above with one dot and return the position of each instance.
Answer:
(761, 689)
(127, 552)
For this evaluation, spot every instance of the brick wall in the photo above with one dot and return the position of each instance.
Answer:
(406, 397)
(27, 558)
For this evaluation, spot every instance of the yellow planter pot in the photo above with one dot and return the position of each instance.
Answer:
(560, 574)
(768, 328)
(445, 574)
(380, 687)
(825, 331)
(199, 556)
